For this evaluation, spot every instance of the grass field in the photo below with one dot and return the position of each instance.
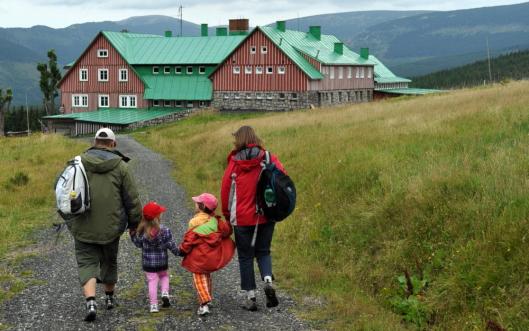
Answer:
(412, 213)
(28, 168)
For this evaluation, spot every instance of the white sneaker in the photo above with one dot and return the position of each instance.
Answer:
(154, 308)
(203, 310)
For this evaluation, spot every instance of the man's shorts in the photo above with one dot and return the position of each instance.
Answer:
(97, 261)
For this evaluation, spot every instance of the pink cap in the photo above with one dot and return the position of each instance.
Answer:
(208, 199)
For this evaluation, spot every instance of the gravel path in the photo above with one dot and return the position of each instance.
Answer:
(54, 301)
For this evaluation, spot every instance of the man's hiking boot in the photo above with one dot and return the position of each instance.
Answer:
(250, 304)
(203, 310)
(91, 313)
(110, 302)
(271, 298)
(165, 300)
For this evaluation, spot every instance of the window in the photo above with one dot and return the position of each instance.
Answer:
(202, 104)
(253, 49)
(83, 75)
(282, 96)
(102, 75)
(123, 75)
(226, 96)
(156, 103)
(258, 70)
(281, 70)
(103, 100)
(236, 70)
(357, 72)
(201, 70)
(264, 49)
(102, 53)
(166, 70)
(155, 70)
(248, 95)
(340, 73)
(269, 96)
(369, 72)
(190, 104)
(237, 96)
(127, 101)
(189, 70)
(269, 70)
(294, 96)
(350, 72)
(362, 72)
(179, 104)
(248, 70)
(79, 100)
(332, 72)
(178, 70)
(259, 95)
(167, 103)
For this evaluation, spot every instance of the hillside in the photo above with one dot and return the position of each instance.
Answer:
(510, 66)
(434, 188)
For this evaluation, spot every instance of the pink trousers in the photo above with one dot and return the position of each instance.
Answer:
(152, 282)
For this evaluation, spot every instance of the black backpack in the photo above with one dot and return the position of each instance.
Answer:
(276, 193)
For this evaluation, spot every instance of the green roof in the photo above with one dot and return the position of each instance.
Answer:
(384, 75)
(161, 87)
(118, 116)
(408, 91)
(154, 49)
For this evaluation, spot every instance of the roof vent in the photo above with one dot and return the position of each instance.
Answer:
(364, 53)
(281, 26)
(338, 48)
(168, 33)
(222, 31)
(204, 30)
(315, 31)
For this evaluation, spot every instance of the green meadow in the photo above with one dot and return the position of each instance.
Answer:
(412, 213)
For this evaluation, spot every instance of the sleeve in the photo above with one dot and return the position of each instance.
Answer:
(170, 244)
(136, 240)
(130, 198)
(278, 164)
(225, 190)
(225, 228)
(187, 244)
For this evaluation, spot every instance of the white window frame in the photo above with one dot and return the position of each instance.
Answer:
(236, 96)
(189, 70)
(294, 96)
(190, 104)
(340, 72)
(178, 103)
(166, 70)
(201, 70)
(350, 72)
(281, 70)
(264, 49)
(156, 103)
(357, 72)
(281, 96)
(248, 70)
(100, 98)
(178, 70)
(81, 99)
(269, 70)
(236, 70)
(259, 95)
(253, 49)
(258, 70)
(99, 71)
(249, 96)
(270, 96)
(362, 72)
(331, 70)
(81, 71)
(167, 103)
(120, 76)
(369, 72)
(128, 102)
(155, 70)
(102, 53)
(226, 95)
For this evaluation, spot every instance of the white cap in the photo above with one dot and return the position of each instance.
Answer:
(105, 133)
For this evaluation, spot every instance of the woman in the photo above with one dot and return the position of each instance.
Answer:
(238, 193)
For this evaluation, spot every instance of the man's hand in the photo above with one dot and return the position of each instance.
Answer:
(132, 232)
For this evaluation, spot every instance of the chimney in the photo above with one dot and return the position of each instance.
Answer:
(239, 26)
(281, 26)
(315, 31)
(222, 31)
(204, 30)
(168, 33)
(364, 53)
(338, 48)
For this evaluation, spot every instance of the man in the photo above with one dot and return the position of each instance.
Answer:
(115, 206)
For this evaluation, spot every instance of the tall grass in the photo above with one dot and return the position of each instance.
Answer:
(410, 209)
(28, 168)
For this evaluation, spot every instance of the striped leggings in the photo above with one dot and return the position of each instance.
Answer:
(203, 286)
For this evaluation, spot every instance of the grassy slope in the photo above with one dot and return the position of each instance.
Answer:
(28, 168)
(434, 186)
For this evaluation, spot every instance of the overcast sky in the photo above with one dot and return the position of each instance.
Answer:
(62, 13)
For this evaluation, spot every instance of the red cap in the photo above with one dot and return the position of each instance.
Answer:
(208, 199)
(152, 210)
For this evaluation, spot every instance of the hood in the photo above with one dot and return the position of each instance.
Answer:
(101, 160)
(248, 158)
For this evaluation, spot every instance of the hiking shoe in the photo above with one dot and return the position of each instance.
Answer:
(154, 308)
(203, 310)
(91, 313)
(110, 302)
(165, 300)
(271, 298)
(250, 304)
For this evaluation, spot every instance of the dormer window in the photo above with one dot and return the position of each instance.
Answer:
(166, 70)
(253, 49)
(258, 70)
(248, 70)
(201, 70)
(236, 70)
(102, 53)
(269, 70)
(189, 70)
(155, 70)
(178, 70)
(281, 70)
